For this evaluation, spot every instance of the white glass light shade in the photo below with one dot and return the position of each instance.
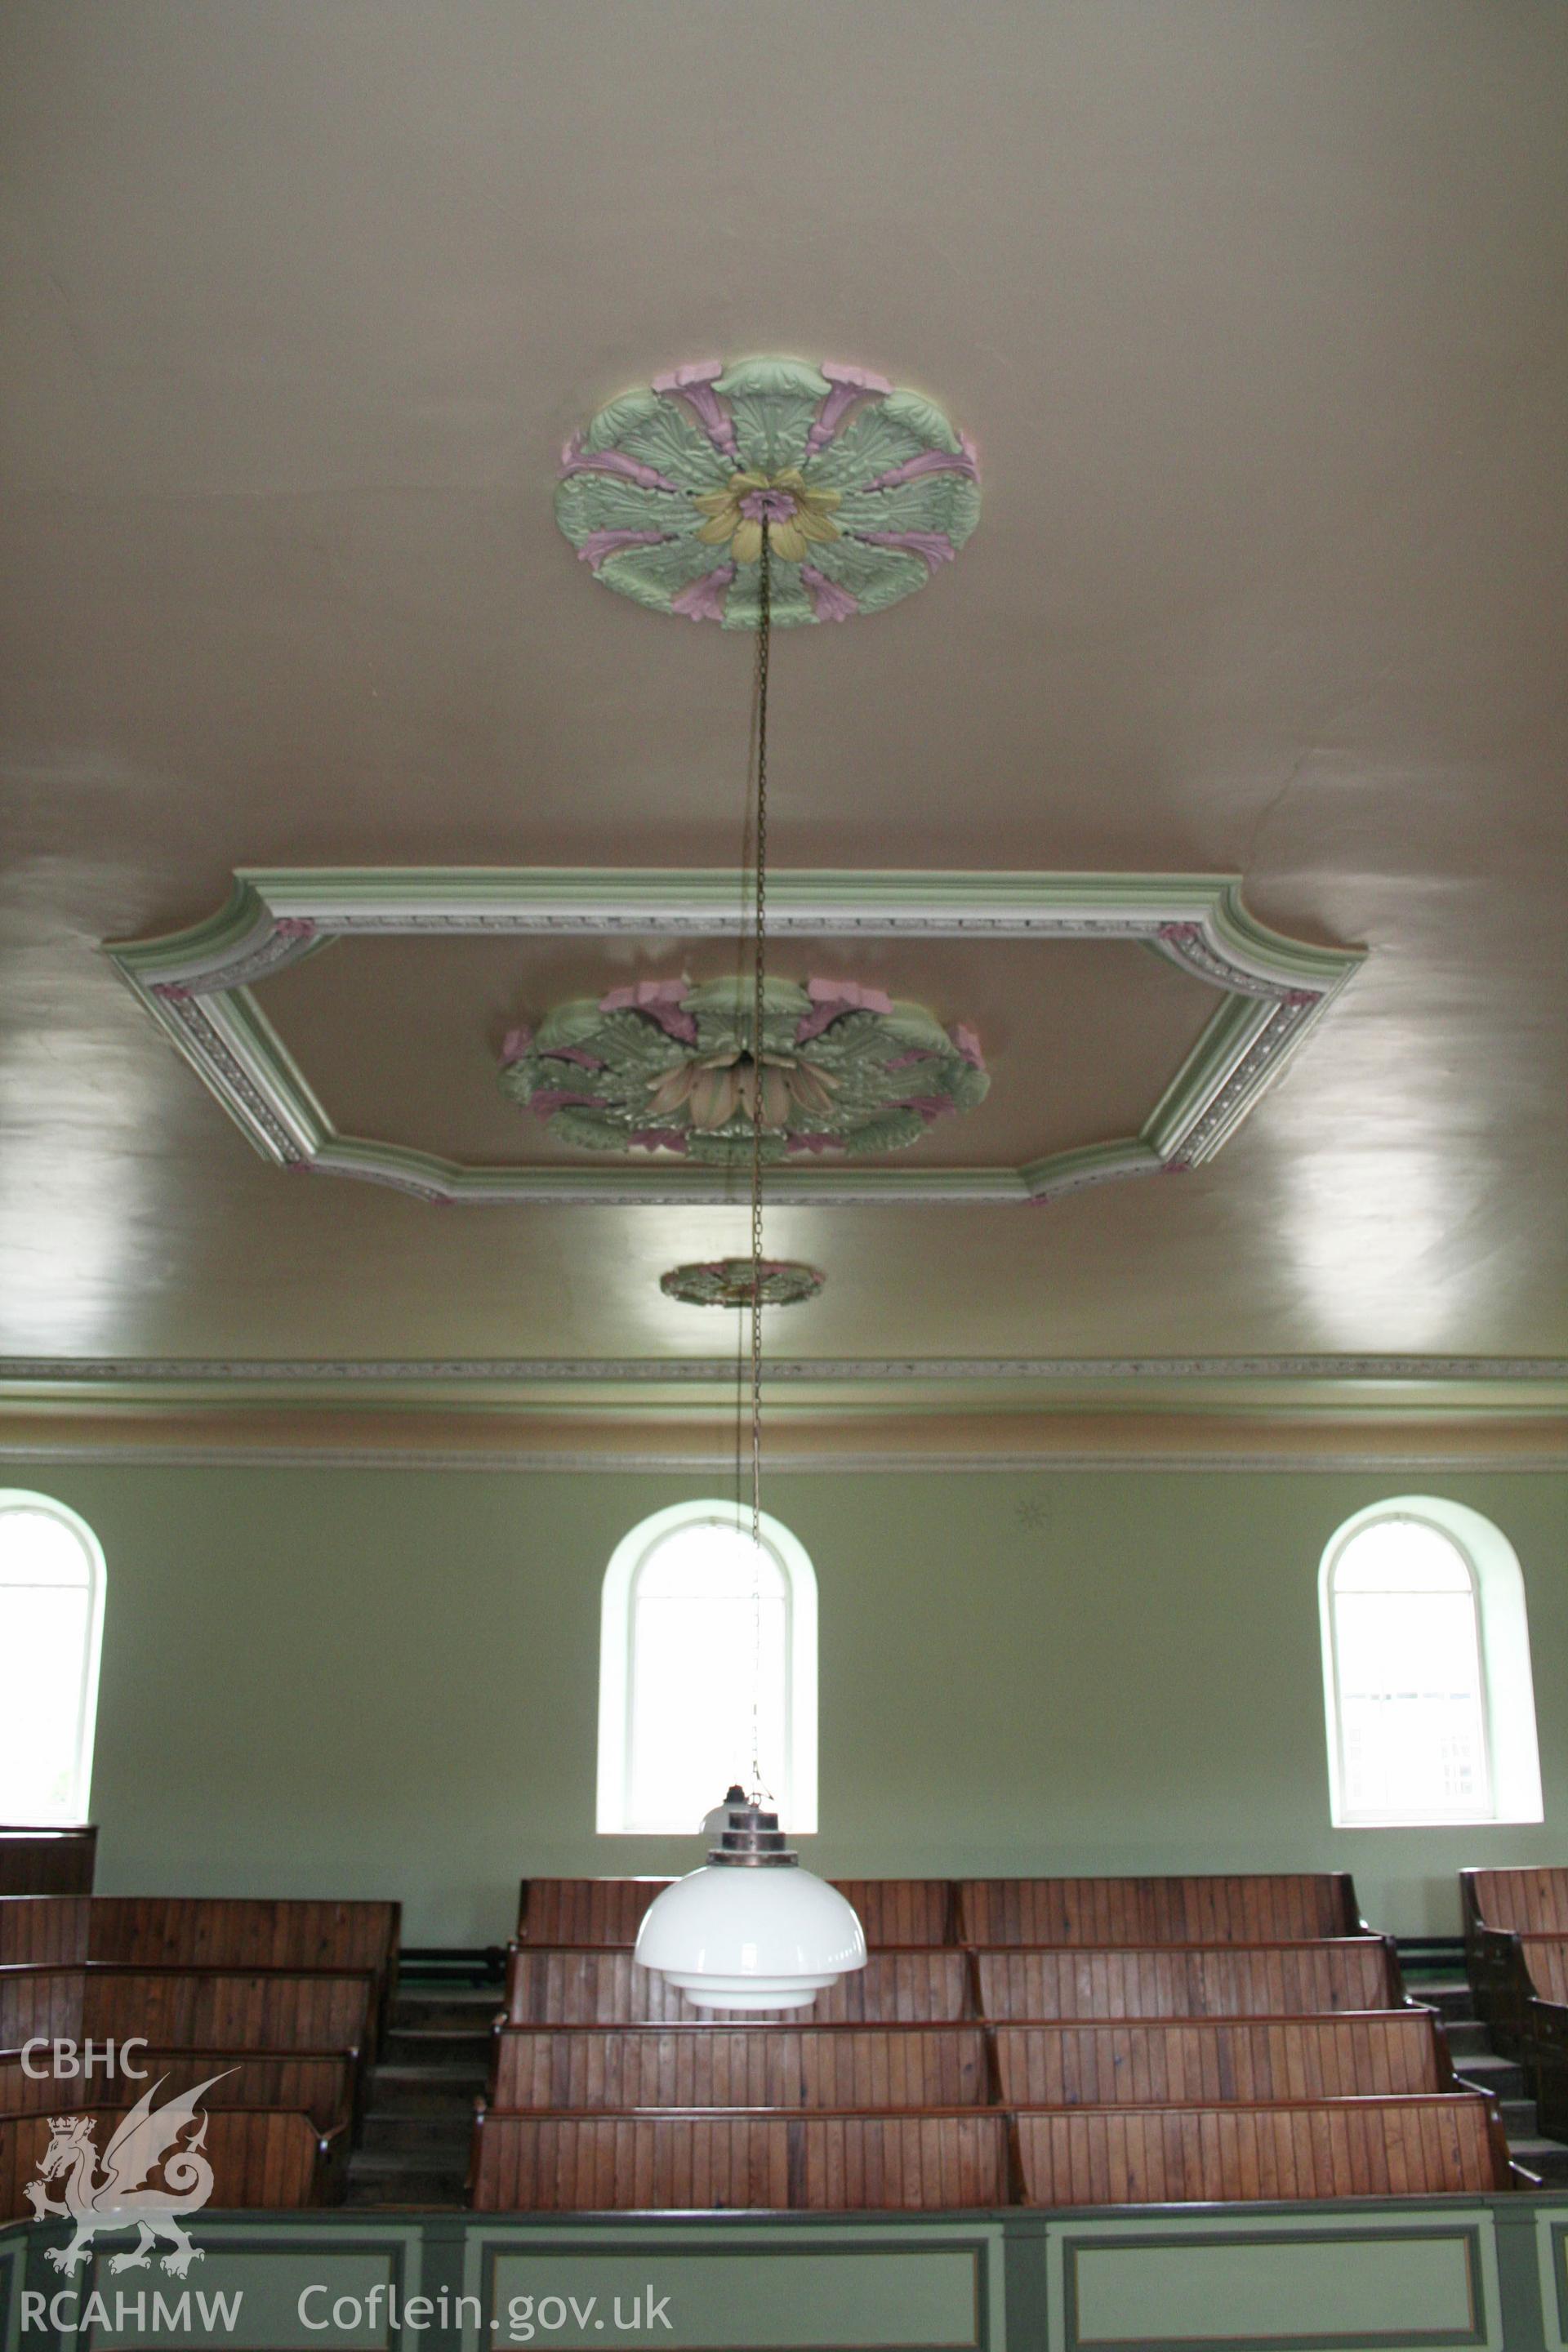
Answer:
(734, 1938)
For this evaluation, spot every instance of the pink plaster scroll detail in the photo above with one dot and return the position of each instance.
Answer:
(804, 1143)
(600, 543)
(657, 1138)
(930, 1107)
(660, 1000)
(930, 545)
(968, 1045)
(294, 926)
(830, 998)
(703, 600)
(548, 1101)
(694, 384)
(964, 460)
(1303, 996)
(173, 991)
(576, 1054)
(575, 459)
(515, 1045)
(850, 384)
(907, 1061)
(829, 601)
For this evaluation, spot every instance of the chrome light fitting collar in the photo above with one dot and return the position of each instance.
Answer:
(752, 1840)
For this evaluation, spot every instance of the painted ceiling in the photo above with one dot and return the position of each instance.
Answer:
(1255, 317)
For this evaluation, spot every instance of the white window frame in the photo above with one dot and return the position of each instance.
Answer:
(1503, 1634)
(797, 1799)
(22, 1498)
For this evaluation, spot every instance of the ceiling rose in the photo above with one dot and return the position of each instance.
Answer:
(668, 1066)
(866, 491)
(730, 1282)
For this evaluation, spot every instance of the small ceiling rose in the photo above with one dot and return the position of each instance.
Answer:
(728, 1282)
(669, 1066)
(866, 492)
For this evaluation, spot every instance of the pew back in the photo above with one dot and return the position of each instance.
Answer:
(590, 2068)
(46, 1861)
(320, 2086)
(1251, 1909)
(1532, 1902)
(609, 1911)
(1418, 2147)
(1214, 1980)
(629, 2163)
(274, 2160)
(1205, 2062)
(606, 1988)
(44, 1926)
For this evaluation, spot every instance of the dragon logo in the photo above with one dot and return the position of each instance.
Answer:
(114, 2191)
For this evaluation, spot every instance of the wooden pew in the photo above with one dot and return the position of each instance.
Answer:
(586, 2068)
(46, 1861)
(44, 1926)
(1207, 2062)
(268, 2012)
(199, 1931)
(317, 2083)
(609, 1911)
(257, 2159)
(683, 2162)
(1203, 1980)
(1450, 2142)
(599, 1987)
(1295, 1908)
(1516, 1952)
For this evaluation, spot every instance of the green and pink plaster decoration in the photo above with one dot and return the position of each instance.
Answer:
(865, 490)
(728, 1282)
(669, 1066)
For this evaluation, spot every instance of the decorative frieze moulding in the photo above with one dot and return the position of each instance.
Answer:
(23, 1372)
(197, 985)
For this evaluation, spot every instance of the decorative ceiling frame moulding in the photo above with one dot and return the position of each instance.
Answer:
(133, 1372)
(196, 984)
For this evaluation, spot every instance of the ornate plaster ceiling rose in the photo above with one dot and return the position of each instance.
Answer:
(667, 1066)
(728, 1282)
(866, 491)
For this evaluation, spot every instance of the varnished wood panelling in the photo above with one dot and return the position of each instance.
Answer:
(44, 1926)
(46, 1861)
(46, 2000)
(318, 2087)
(606, 1988)
(1106, 1911)
(221, 1932)
(740, 2066)
(606, 1911)
(1532, 1901)
(210, 2008)
(609, 1911)
(1366, 2147)
(1214, 1980)
(1200, 2062)
(903, 1910)
(682, 2163)
(271, 2160)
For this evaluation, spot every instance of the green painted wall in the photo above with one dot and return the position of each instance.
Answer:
(384, 1682)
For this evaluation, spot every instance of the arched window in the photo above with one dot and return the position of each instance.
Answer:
(51, 1629)
(680, 1656)
(1427, 1680)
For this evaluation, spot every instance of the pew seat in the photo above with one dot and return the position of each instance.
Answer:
(848, 2066)
(1430, 2145)
(258, 2159)
(1207, 2062)
(1294, 1908)
(1356, 1972)
(600, 1986)
(685, 2162)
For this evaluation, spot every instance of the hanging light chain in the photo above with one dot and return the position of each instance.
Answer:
(760, 931)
